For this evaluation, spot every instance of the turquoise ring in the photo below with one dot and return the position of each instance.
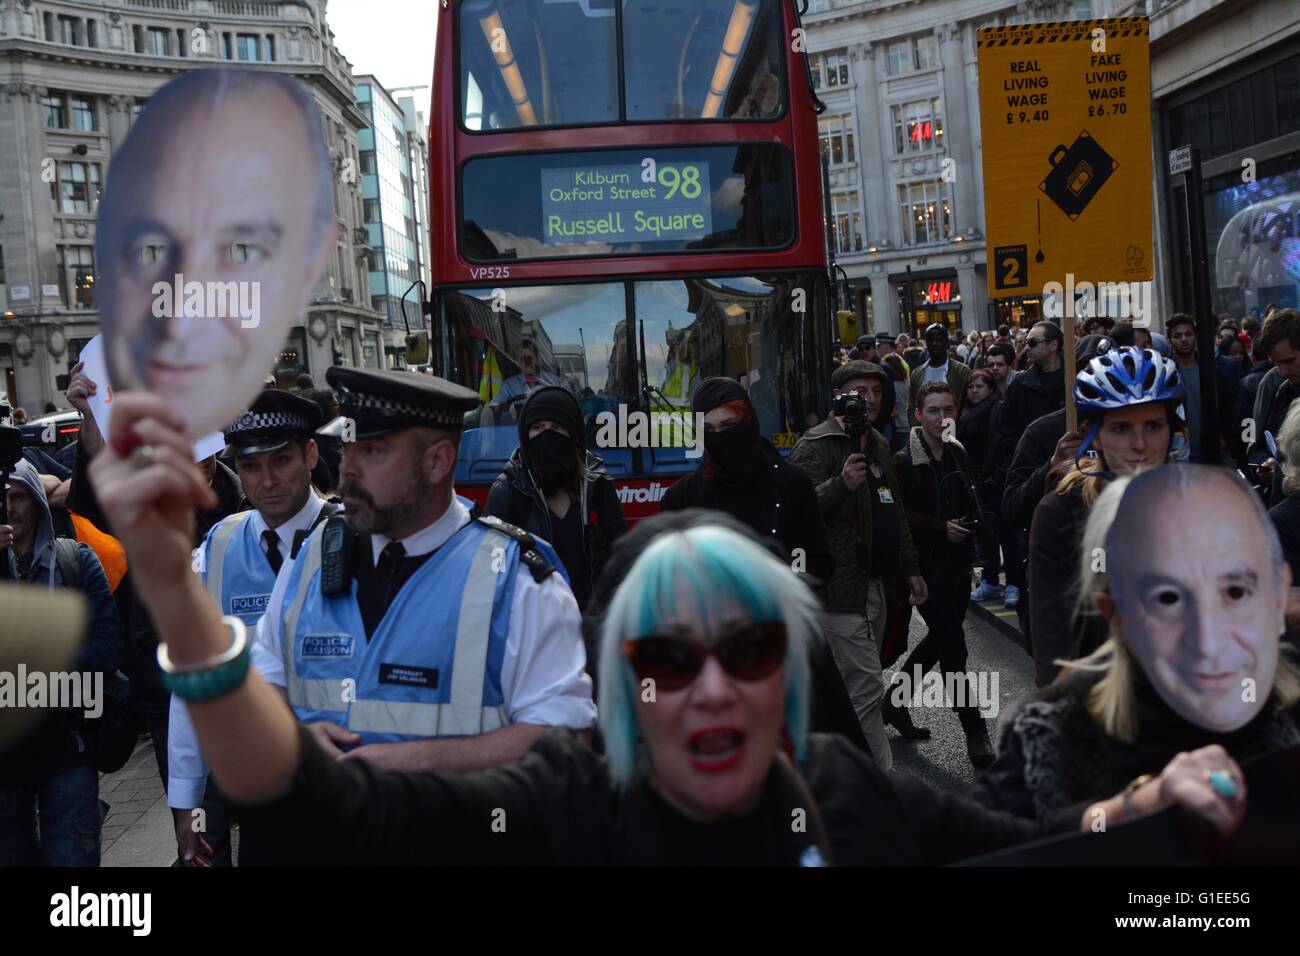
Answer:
(1223, 783)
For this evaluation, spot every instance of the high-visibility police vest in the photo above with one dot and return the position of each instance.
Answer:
(432, 668)
(235, 569)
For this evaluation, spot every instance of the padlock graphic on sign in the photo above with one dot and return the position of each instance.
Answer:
(1077, 175)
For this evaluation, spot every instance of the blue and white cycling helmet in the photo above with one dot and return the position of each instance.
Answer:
(1121, 378)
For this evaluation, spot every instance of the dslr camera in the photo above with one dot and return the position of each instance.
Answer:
(852, 407)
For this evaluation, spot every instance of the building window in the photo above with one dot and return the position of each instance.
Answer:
(927, 212)
(159, 41)
(227, 46)
(270, 48)
(368, 163)
(847, 219)
(246, 45)
(77, 276)
(900, 57)
(927, 52)
(372, 210)
(77, 189)
(92, 34)
(912, 54)
(56, 113)
(1083, 9)
(830, 69)
(138, 107)
(84, 118)
(837, 139)
(918, 126)
(69, 32)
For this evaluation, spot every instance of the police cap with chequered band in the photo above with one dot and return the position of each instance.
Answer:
(275, 419)
(379, 401)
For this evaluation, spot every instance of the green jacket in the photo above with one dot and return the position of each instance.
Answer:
(958, 376)
(821, 454)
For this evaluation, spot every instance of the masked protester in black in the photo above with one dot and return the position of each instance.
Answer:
(743, 475)
(556, 489)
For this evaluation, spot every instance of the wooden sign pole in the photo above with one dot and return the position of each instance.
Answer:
(1067, 358)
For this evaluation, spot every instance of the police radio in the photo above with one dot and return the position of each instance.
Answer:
(336, 558)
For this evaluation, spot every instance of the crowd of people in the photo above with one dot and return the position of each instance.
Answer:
(321, 637)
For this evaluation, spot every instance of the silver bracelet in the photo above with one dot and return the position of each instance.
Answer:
(239, 638)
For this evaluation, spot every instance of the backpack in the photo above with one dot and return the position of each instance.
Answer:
(113, 735)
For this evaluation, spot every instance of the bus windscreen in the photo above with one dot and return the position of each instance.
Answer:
(624, 202)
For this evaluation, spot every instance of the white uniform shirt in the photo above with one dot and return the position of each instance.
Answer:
(187, 772)
(543, 673)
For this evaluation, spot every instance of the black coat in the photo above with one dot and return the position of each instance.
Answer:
(1273, 399)
(975, 432)
(1052, 754)
(921, 501)
(1286, 518)
(560, 807)
(1055, 542)
(1244, 408)
(1031, 395)
(516, 499)
(785, 507)
(1026, 477)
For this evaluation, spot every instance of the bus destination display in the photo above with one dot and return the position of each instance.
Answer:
(644, 202)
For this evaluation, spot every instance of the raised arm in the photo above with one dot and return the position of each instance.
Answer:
(249, 736)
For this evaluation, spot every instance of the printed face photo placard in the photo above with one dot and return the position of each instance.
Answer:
(214, 228)
(1202, 602)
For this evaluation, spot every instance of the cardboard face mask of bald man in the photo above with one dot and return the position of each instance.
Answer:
(215, 226)
(1197, 575)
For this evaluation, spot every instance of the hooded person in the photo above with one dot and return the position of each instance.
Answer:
(55, 767)
(743, 475)
(555, 488)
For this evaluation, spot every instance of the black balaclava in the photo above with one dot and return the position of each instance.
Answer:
(550, 456)
(736, 453)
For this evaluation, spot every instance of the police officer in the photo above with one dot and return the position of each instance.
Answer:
(239, 560)
(412, 631)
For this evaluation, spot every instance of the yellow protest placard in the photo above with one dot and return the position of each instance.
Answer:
(1065, 115)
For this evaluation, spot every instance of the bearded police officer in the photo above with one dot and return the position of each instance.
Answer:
(412, 631)
(239, 561)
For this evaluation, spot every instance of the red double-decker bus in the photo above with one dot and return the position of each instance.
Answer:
(626, 199)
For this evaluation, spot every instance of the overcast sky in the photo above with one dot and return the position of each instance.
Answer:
(391, 39)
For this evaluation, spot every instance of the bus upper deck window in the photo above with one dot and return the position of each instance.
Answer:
(528, 63)
(707, 60)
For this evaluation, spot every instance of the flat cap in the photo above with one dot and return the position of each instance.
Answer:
(275, 419)
(380, 401)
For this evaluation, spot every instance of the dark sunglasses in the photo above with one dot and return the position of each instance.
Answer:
(750, 653)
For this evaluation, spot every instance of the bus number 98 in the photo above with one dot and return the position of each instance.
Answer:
(687, 180)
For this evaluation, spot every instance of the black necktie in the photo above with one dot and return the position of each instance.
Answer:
(272, 541)
(390, 560)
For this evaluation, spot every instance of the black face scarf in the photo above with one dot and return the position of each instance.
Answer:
(553, 458)
(735, 453)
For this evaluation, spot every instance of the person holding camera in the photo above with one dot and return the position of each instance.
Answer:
(942, 507)
(851, 467)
